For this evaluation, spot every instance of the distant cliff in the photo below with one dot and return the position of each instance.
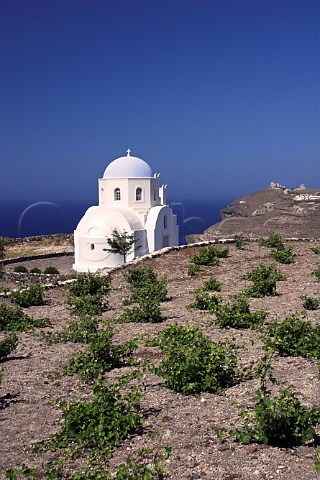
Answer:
(291, 212)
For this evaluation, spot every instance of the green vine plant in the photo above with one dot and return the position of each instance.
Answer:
(87, 295)
(310, 303)
(193, 363)
(147, 292)
(144, 283)
(14, 319)
(148, 464)
(98, 425)
(240, 240)
(275, 240)
(236, 314)
(284, 255)
(194, 270)
(212, 285)
(77, 331)
(315, 250)
(204, 300)
(316, 273)
(7, 346)
(264, 278)
(209, 256)
(280, 420)
(100, 356)
(280, 252)
(29, 296)
(293, 338)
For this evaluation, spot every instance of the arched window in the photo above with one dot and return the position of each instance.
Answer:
(117, 194)
(154, 194)
(165, 222)
(138, 194)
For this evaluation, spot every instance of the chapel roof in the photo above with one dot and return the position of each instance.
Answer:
(128, 167)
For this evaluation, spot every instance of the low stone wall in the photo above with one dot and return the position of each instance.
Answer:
(32, 277)
(53, 280)
(165, 251)
(8, 261)
(37, 238)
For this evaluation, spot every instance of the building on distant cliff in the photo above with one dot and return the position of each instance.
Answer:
(291, 212)
(131, 200)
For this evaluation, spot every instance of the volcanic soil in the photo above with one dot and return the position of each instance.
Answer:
(31, 392)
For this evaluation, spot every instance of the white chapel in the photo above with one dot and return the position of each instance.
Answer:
(131, 200)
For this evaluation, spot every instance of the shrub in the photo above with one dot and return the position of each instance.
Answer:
(284, 255)
(236, 314)
(81, 331)
(264, 278)
(7, 346)
(20, 269)
(212, 285)
(100, 356)
(193, 270)
(195, 364)
(294, 338)
(209, 256)
(310, 303)
(35, 270)
(205, 301)
(51, 271)
(240, 240)
(28, 296)
(280, 421)
(273, 241)
(316, 273)
(315, 250)
(14, 319)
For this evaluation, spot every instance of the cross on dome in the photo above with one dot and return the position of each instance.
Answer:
(128, 152)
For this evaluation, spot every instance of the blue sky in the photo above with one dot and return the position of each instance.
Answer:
(221, 97)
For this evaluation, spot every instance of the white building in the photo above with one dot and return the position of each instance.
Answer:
(131, 200)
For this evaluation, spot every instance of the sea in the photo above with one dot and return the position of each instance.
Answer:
(24, 219)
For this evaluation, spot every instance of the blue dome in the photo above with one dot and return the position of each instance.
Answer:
(128, 167)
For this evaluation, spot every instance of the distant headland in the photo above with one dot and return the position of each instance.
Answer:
(292, 212)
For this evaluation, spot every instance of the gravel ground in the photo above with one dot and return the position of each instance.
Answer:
(188, 423)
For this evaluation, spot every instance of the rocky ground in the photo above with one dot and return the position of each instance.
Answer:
(188, 423)
(44, 244)
(272, 209)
